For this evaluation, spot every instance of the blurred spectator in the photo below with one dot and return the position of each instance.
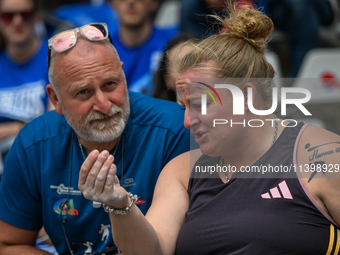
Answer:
(23, 69)
(50, 5)
(79, 14)
(301, 20)
(139, 43)
(2, 42)
(195, 16)
(165, 78)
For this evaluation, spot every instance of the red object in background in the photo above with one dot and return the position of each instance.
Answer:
(140, 201)
(240, 4)
(329, 80)
(244, 2)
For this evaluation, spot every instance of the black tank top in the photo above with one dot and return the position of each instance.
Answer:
(256, 216)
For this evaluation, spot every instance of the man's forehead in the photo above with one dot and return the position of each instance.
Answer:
(85, 49)
(70, 64)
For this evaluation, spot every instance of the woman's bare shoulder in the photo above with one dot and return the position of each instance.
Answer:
(318, 159)
(318, 144)
(180, 167)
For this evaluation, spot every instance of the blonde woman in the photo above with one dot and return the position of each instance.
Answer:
(230, 210)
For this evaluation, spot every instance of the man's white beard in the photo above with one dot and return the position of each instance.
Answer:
(105, 131)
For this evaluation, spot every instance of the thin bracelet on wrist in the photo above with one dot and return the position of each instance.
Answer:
(133, 198)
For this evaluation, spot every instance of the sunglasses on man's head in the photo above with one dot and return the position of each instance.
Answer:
(67, 39)
(7, 17)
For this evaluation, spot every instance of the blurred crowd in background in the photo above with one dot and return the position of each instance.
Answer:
(142, 31)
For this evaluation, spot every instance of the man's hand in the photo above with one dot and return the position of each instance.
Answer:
(98, 181)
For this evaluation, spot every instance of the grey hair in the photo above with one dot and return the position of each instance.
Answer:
(51, 71)
(51, 74)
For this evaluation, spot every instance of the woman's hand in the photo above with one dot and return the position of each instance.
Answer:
(98, 181)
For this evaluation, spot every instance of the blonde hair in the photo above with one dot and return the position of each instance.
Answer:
(238, 51)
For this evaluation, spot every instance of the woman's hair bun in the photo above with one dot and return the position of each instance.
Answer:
(248, 23)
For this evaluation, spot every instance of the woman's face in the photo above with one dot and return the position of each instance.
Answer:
(213, 138)
(17, 20)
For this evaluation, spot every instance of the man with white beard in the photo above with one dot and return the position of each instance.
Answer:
(93, 111)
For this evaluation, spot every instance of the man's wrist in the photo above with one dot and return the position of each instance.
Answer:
(131, 197)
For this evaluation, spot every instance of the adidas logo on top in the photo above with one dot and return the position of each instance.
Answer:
(275, 192)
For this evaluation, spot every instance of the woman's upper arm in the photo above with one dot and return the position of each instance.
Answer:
(170, 201)
(319, 158)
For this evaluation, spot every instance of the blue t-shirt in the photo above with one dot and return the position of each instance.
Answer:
(23, 87)
(34, 184)
(141, 62)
